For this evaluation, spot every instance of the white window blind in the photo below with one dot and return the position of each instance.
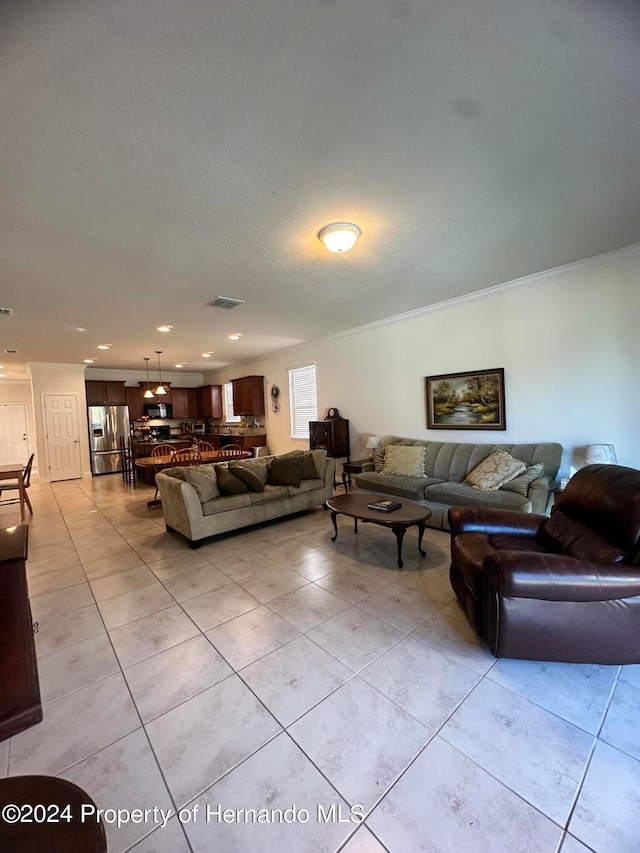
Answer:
(230, 418)
(303, 397)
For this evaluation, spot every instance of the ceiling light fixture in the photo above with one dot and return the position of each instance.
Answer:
(89, 360)
(165, 328)
(179, 365)
(160, 390)
(206, 355)
(340, 236)
(148, 394)
(235, 336)
(3, 375)
(104, 346)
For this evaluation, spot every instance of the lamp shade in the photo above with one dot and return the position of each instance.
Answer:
(600, 453)
(373, 442)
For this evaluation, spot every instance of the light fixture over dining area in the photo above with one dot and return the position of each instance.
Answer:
(148, 394)
(340, 236)
(160, 390)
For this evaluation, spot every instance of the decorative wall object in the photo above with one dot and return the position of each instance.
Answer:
(473, 400)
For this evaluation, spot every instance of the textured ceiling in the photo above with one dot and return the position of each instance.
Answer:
(155, 154)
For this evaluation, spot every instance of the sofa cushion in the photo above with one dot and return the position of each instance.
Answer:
(225, 503)
(270, 493)
(179, 473)
(286, 470)
(248, 477)
(461, 494)
(404, 461)
(378, 459)
(571, 536)
(204, 480)
(309, 468)
(412, 488)
(228, 483)
(306, 486)
(260, 468)
(494, 471)
(521, 484)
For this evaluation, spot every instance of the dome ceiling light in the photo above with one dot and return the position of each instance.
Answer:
(340, 236)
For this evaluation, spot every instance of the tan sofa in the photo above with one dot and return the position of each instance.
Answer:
(185, 513)
(447, 463)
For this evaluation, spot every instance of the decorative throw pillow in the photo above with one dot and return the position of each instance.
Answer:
(496, 470)
(249, 477)
(228, 483)
(404, 461)
(378, 459)
(204, 480)
(257, 466)
(521, 484)
(286, 470)
(309, 470)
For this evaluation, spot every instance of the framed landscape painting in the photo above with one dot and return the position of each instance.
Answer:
(473, 400)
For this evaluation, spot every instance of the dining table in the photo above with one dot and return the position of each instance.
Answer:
(14, 472)
(157, 463)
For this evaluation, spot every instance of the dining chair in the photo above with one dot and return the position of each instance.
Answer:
(129, 470)
(13, 485)
(163, 450)
(231, 451)
(186, 457)
(205, 447)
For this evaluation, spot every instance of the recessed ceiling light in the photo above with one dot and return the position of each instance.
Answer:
(165, 328)
(235, 336)
(206, 355)
(89, 360)
(179, 365)
(3, 375)
(80, 329)
(104, 346)
(1, 366)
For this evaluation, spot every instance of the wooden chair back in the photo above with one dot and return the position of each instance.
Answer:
(205, 447)
(231, 451)
(188, 456)
(163, 450)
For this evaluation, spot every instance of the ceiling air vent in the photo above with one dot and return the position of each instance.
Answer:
(225, 302)
(6, 312)
(11, 351)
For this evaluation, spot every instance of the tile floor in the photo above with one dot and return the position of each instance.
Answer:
(275, 669)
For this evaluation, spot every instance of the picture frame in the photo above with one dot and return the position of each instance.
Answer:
(471, 400)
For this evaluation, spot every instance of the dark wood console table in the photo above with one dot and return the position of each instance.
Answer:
(20, 705)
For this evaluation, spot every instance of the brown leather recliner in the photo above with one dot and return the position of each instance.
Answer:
(564, 588)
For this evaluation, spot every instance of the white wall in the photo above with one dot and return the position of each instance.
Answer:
(59, 379)
(568, 339)
(20, 392)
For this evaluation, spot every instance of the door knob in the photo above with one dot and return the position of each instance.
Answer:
(75, 440)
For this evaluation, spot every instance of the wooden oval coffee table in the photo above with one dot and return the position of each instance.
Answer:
(356, 507)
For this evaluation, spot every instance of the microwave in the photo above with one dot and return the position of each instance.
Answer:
(158, 410)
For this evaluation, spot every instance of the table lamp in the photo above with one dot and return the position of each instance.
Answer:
(598, 454)
(373, 443)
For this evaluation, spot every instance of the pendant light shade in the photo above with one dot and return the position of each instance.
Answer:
(148, 394)
(160, 390)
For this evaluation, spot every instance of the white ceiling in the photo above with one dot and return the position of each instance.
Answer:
(155, 154)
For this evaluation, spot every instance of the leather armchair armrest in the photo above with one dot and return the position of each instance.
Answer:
(476, 519)
(557, 577)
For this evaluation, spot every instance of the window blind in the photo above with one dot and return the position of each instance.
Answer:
(230, 418)
(303, 397)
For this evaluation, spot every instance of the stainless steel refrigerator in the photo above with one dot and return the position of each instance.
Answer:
(107, 424)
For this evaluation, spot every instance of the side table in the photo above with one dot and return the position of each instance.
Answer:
(355, 467)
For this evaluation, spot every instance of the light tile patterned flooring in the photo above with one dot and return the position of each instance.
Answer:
(276, 669)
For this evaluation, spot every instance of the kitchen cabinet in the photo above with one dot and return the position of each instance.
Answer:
(210, 401)
(180, 400)
(248, 395)
(105, 393)
(20, 705)
(186, 402)
(330, 435)
(134, 399)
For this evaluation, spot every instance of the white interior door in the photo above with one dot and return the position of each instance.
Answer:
(14, 447)
(63, 439)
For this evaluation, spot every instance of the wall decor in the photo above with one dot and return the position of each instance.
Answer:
(473, 400)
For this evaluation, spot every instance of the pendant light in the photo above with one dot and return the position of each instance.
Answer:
(160, 390)
(148, 394)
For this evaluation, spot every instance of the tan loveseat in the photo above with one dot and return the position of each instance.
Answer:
(185, 512)
(447, 464)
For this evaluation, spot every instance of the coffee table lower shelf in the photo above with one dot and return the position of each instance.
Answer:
(356, 507)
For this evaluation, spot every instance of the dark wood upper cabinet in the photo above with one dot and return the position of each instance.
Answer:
(134, 399)
(105, 393)
(210, 401)
(180, 402)
(248, 395)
